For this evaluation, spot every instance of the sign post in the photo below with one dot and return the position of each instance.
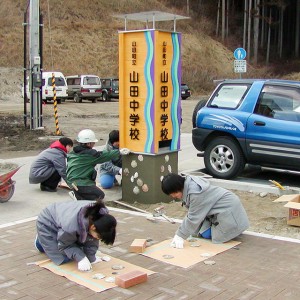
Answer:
(240, 64)
(150, 107)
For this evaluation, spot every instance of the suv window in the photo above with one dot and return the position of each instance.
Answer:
(279, 102)
(91, 81)
(229, 96)
(115, 83)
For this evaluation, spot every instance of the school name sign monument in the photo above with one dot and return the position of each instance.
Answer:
(149, 106)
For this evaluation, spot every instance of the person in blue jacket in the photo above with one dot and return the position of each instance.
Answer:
(108, 170)
(72, 230)
(213, 212)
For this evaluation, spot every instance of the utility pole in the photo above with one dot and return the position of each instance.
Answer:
(35, 75)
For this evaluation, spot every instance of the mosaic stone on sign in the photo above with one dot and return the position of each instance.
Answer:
(136, 190)
(145, 188)
(139, 182)
(134, 164)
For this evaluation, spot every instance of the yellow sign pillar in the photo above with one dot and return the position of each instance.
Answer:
(150, 110)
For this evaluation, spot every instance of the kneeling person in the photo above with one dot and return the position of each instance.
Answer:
(50, 165)
(72, 230)
(109, 169)
(213, 212)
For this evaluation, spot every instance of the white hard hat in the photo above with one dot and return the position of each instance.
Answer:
(86, 136)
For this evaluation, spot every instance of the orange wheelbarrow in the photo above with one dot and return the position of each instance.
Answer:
(7, 185)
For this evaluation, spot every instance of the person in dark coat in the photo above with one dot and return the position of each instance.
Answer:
(72, 230)
(213, 212)
(50, 165)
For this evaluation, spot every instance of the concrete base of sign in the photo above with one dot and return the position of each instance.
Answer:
(142, 174)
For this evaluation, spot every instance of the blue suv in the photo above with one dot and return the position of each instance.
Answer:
(249, 122)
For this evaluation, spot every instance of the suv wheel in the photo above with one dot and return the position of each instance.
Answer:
(199, 105)
(104, 97)
(77, 98)
(223, 158)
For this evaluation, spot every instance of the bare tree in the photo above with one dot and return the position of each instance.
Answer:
(249, 28)
(223, 19)
(269, 38)
(297, 31)
(256, 29)
(245, 23)
(218, 18)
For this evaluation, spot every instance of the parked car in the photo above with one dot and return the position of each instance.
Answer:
(109, 88)
(185, 91)
(47, 87)
(84, 87)
(249, 121)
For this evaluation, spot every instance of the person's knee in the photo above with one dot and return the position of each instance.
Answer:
(107, 181)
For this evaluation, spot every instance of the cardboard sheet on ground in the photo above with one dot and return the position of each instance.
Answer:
(190, 254)
(86, 279)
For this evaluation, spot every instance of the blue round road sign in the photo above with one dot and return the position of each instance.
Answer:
(239, 53)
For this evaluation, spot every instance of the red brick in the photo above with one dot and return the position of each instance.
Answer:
(138, 245)
(131, 278)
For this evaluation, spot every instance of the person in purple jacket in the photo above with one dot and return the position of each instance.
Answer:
(50, 165)
(69, 231)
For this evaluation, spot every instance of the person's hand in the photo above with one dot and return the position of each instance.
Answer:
(98, 259)
(124, 151)
(84, 264)
(177, 242)
(120, 171)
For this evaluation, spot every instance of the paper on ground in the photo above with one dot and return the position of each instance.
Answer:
(71, 272)
(189, 255)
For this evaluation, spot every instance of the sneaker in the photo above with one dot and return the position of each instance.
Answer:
(72, 195)
(38, 245)
(45, 188)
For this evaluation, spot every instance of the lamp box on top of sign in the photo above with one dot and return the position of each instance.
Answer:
(150, 77)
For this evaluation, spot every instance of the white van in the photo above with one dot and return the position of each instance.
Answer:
(84, 87)
(47, 88)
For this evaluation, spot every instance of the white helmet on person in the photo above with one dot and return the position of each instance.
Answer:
(86, 136)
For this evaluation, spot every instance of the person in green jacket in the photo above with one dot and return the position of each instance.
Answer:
(81, 162)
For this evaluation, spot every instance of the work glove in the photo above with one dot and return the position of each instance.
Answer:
(120, 171)
(98, 259)
(84, 264)
(124, 151)
(177, 242)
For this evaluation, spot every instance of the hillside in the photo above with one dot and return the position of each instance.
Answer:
(82, 37)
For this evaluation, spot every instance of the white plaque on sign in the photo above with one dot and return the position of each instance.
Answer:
(240, 66)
